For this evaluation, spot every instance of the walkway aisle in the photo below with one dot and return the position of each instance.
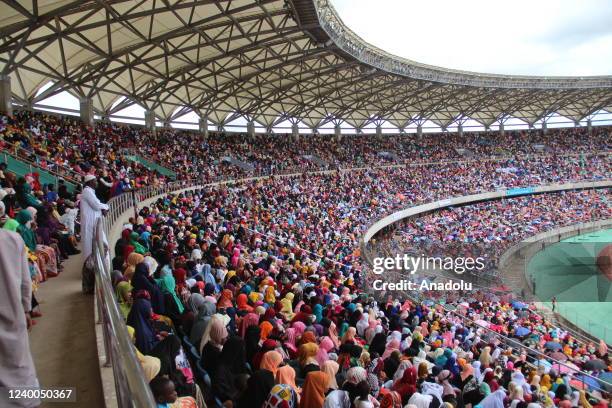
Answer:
(63, 341)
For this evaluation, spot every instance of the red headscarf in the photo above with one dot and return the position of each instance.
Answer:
(242, 302)
(406, 386)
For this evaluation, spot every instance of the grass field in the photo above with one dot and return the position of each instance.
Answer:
(568, 271)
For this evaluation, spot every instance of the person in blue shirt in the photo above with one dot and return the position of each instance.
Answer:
(51, 194)
(163, 391)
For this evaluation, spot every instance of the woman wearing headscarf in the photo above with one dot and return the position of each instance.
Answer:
(242, 303)
(490, 379)
(140, 319)
(133, 259)
(287, 307)
(259, 386)
(444, 380)
(325, 346)
(406, 386)
(465, 381)
(485, 357)
(173, 305)
(232, 363)
(24, 196)
(142, 281)
(138, 248)
(392, 346)
(363, 324)
(175, 365)
(392, 399)
(205, 310)
(225, 300)
(290, 342)
(251, 319)
(493, 400)
(315, 387)
(317, 311)
(251, 340)
(331, 367)
(419, 400)
(349, 336)
(194, 302)
(270, 361)
(282, 396)
(123, 291)
(378, 344)
(286, 375)
(211, 343)
(266, 329)
(270, 296)
(307, 358)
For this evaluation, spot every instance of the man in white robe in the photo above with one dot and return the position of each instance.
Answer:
(91, 210)
(16, 365)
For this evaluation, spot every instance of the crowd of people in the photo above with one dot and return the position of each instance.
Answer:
(250, 294)
(489, 228)
(60, 143)
(273, 324)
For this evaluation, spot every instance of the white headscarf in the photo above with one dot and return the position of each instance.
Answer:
(421, 400)
(477, 373)
(494, 400)
(337, 399)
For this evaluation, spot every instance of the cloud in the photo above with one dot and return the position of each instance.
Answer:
(526, 37)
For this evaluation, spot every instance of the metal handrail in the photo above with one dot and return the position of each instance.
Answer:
(131, 386)
(65, 173)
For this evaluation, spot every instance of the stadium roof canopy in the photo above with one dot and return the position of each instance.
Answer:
(267, 60)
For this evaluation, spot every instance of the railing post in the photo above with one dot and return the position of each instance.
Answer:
(135, 204)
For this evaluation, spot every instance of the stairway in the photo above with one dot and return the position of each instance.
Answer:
(22, 165)
(151, 165)
(316, 160)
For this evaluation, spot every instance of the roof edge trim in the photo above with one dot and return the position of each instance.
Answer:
(345, 39)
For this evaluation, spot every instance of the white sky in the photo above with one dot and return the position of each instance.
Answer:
(526, 37)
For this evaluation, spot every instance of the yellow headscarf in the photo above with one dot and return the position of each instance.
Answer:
(545, 382)
(151, 366)
(270, 296)
(287, 306)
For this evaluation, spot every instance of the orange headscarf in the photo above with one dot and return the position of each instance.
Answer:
(307, 337)
(270, 361)
(266, 328)
(286, 375)
(315, 386)
(225, 300)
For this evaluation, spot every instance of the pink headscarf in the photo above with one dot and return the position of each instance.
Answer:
(291, 339)
(251, 319)
(325, 347)
(391, 347)
(299, 327)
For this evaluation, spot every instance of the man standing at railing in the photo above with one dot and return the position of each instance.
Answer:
(91, 210)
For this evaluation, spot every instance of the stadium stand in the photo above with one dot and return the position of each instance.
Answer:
(229, 269)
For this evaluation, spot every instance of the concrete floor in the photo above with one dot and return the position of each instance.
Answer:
(63, 341)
